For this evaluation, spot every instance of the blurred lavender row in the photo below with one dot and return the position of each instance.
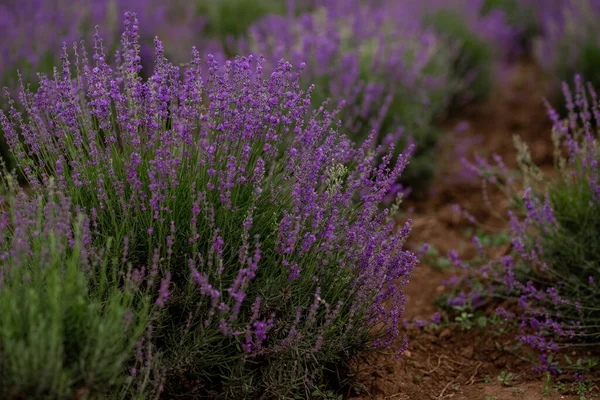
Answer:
(395, 79)
(38, 27)
(570, 41)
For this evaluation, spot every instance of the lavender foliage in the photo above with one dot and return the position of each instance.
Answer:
(66, 328)
(259, 216)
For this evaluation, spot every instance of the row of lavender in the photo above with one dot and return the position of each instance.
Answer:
(397, 79)
(394, 79)
(565, 36)
(544, 286)
(37, 28)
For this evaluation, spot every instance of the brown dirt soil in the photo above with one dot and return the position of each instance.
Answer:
(450, 363)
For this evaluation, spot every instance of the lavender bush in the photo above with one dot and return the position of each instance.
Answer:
(565, 251)
(393, 79)
(261, 218)
(66, 329)
(550, 276)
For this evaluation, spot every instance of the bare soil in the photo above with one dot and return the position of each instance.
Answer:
(450, 363)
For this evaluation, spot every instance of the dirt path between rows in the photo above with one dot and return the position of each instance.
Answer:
(451, 363)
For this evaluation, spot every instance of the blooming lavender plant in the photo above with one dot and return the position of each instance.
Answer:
(565, 251)
(552, 271)
(66, 328)
(261, 218)
(392, 79)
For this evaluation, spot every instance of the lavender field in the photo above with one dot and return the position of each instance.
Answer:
(300, 199)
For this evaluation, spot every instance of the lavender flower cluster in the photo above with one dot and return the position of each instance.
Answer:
(37, 28)
(398, 83)
(255, 220)
(389, 61)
